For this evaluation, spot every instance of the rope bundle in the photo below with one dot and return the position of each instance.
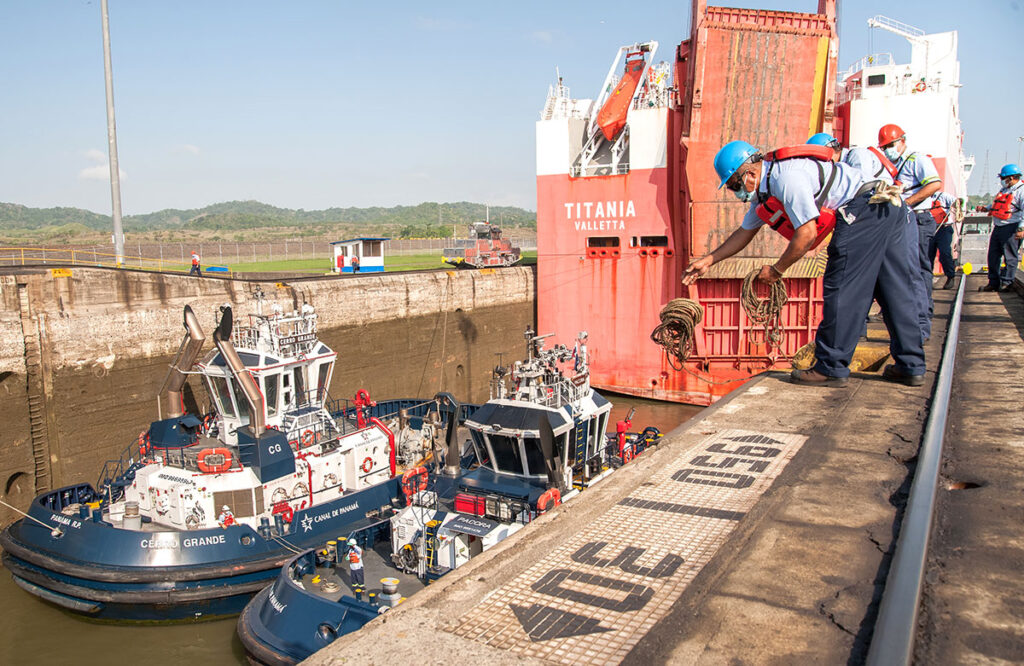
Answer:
(765, 312)
(679, 318)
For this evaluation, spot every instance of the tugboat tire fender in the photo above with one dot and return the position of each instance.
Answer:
(137, 596)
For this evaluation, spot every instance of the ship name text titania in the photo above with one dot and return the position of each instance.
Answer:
(599, 215)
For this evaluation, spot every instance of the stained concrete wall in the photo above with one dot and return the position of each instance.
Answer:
(107, 338)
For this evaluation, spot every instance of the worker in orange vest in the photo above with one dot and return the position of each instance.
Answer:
(355, 563)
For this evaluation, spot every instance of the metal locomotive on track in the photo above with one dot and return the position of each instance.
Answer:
(484, 249)
(201, 513)
(537, 442)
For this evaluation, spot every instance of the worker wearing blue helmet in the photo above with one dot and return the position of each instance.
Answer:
(866, 257)
(871, 162)
(1007, 211)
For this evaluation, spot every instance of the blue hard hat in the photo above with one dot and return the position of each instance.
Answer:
(823, 139)
(1007, 170)
(731, 157)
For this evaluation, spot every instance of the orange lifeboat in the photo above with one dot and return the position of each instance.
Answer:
(612, 116)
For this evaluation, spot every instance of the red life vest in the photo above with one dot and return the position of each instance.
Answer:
(938, 212)
(886, 164)
(773, 213)
(1002, 206)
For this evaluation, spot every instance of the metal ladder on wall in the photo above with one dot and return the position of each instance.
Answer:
(36, 393)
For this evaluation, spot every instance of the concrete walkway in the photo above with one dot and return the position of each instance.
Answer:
(759, 532)
(973, 609)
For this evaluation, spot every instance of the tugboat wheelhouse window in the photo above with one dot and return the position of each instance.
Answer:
(270, 391)
(223, 394)
(505, 454)
(300, 385)
(323, 380)
(534, 456)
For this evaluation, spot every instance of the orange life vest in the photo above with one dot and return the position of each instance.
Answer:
(353, 556)
(887, 164)
(1002, 206)
(773, 213)
(938, 212)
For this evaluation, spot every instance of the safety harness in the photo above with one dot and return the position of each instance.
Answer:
(939, 212)
(770, 209)
(886, 163)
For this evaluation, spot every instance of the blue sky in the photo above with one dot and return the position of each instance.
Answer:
(311, 104)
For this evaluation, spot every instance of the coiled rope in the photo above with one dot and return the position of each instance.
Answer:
(767, 312)
(679, 318)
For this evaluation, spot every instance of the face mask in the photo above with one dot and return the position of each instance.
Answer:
(743, 195)
(1006, 183)
(892, 153)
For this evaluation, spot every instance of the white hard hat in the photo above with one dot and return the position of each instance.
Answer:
(351, 542)
(225, 508)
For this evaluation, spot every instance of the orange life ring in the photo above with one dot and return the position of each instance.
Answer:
(143, 444)
(920, 87)
(214, 467)
(549, 500)
(307, 438)
(367, 465)
(414, 481)
(627, 454)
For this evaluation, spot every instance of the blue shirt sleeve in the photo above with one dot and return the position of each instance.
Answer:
(751, 221)
(798, 190)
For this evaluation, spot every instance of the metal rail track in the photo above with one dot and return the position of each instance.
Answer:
(896, 626)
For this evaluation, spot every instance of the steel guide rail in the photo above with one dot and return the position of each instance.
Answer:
(896, 626)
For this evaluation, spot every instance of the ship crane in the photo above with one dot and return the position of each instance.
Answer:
(908, 32)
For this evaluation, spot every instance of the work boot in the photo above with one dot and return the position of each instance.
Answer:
(894, 374)
(1006, 287)
(948, 284)
(988, 287)
(815, 378)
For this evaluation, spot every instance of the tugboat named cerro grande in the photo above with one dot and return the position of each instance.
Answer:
(539, 440)
(201, 513)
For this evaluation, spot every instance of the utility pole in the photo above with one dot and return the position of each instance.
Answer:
(1020, 143)
(115, 175)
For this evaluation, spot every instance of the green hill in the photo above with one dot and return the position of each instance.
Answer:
(426, 219)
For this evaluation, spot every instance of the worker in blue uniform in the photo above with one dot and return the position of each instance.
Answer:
(866, 257)
(871, 162)
(921, 182)
(943, 211)
(868, 162)
(1007, 213)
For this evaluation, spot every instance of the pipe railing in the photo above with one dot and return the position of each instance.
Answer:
(896, 626)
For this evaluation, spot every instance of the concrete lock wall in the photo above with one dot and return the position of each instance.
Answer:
(84, 351)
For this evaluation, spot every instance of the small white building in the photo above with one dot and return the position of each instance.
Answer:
(359, 255)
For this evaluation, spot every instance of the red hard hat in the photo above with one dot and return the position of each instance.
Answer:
(890, 133)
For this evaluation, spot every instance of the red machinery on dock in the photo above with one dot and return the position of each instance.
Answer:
(620, 212)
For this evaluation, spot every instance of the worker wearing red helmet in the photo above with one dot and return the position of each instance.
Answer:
(921, 182)
(867, 256)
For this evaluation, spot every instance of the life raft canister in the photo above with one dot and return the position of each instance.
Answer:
(773, 213)
(214, 461)
(1002, 206)
(939, 214)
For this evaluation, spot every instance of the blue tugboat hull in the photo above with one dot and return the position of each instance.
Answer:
(109, 573)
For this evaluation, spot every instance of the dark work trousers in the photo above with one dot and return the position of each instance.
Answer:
(868, 259)
(921, 257)
(1003, 246)
(942, 242)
